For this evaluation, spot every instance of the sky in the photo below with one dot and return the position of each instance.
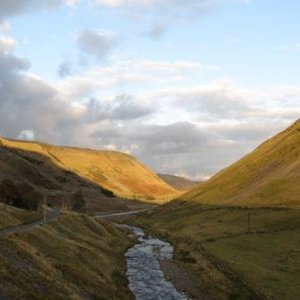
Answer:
(188, 87)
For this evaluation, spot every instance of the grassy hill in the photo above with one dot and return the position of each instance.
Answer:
(178, 182)
(237, 235)
(76, 257)
(269, 176)
(53, 169)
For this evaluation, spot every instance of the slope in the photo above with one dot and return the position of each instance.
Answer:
(178, 182)
(75, 257)
(269, 176)
(52, 167)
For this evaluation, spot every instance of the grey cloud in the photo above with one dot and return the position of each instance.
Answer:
(65, 69)
(9, 8)
(28, 102)
(213, 102)
(96, 44)
(157, 31)
(123, 108)
(154, 139)
(128, 108)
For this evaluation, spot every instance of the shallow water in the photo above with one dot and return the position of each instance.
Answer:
(146, 279)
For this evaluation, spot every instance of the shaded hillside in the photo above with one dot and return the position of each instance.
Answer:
(51, 168)
(178, 182)
(269, 176)
(84, 260)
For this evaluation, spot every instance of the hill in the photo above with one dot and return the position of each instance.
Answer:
(269, 176)
(237, 234)
(54, 170)
(75, 257)
(178, 182)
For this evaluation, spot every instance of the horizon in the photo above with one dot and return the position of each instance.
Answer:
(148, 78)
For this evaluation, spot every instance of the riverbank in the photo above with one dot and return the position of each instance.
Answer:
(223, 257)
(75, 257)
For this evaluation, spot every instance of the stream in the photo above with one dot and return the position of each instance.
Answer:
(146, 279)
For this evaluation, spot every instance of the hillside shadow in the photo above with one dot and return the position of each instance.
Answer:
(28, 168)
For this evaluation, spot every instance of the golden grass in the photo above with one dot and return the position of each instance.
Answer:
(269, 176)
(75, 257)
(118, 172)
(177, 182)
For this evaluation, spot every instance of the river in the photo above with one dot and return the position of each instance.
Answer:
(146, 279)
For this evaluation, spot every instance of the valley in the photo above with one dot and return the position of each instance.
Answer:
(235, 236)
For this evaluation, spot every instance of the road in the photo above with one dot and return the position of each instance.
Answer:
(121, 214)
(51, 216)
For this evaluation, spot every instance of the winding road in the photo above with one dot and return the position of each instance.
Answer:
(51, 216)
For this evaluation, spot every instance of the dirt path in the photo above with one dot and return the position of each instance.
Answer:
(51, 216)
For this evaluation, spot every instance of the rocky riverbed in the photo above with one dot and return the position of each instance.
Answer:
(146, 279)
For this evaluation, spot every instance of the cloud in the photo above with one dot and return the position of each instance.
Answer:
(97, 44)
(289, 47)
(66, 69)
(199, 4)
(10, 8)
(165, 120)
(4, 27)
(128, 108)
(157, 31)
(26, 101)
(27, 134)
(7, 44)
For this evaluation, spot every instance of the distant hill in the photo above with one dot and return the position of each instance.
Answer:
(53, 169)
(269, 176)
(178, 182)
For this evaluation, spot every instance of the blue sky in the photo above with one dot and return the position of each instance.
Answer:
(187, 87)
(242, 38)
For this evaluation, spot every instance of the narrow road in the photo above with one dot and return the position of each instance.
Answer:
(121, 214)
(51, 216)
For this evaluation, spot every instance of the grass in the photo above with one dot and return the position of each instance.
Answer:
(179, 183)
(12, 216)
(50, 167)
(223, 258)
(269, 176)
(75, 257)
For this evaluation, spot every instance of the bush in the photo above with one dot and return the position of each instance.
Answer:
(78, 202)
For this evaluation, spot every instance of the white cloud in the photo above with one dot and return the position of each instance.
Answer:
(7, 44)
(4, 27)
(289, 47)
(72, 3)
(27, 134)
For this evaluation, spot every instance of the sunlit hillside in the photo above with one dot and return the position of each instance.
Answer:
(178, 182)
(269, 176)
(117, 172)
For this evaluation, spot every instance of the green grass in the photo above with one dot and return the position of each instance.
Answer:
(214, 246)
(73, 258)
